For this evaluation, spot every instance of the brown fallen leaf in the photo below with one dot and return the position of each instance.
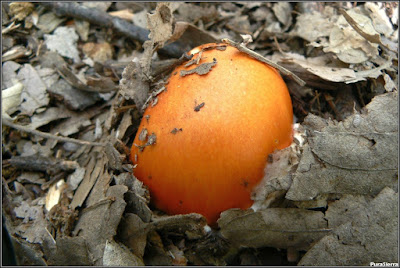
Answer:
(363, 232)
(273, 227)
(358, 155)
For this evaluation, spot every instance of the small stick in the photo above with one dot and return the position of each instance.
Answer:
(376, 38)
(48, 135)
(257, 56)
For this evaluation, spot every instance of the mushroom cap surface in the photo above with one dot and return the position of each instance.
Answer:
(213, 133)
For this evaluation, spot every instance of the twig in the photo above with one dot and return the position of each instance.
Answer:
(103, 19)
(376, 38)
(257, 56)
(48, 135)
(42, 163)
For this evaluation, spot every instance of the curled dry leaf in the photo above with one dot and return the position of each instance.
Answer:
(320, 67)
(347, 44)
(358, 155)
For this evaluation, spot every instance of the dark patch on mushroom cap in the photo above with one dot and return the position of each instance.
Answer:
(198, 107)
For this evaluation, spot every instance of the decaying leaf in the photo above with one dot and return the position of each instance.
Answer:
(313, 26)
(76, 177)
(34, 94)
(87, 183)
(98, 52)
(116, 254)
(99, 221)
(51, 114)
(320, 67)
(133, 84)
(190, 35)
(73, 98)
(28, 212)
(160, 24)
(202, 69)
(358, 155)
(11, 99)
(273, 227)
(71, 251)
(64, 42)
(54, 194)
(283, 11)
(192, 225)
(20, 10)
(134, 233)
(348, 45)
(49, 21)
(278, 171)
(379, 18)
(363, 232)
(9, 74)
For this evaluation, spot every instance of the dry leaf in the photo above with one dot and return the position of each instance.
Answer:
(320, 67)
(20, 10)
(73, 98)
(160, 24)
(134, 233)
(116, 254)
(380, 20)
(71, 251)
(190, 35)
(98, 52)
(358, 155)
(313, 26)
(34, 94)
(273, 227)
(9, 74)
(99, 221)
(347, 44)
(54, 194)
(365, 232)
(64, 42)
(11, 99)
(140, 18)
(28, 212)
(49, 21)
(75, 178)
(133, 84)
(278, 171)
(283, 11)
(51, 114)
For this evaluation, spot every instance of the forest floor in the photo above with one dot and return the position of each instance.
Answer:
(75, 78)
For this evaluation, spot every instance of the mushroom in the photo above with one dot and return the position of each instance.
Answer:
(232, 112)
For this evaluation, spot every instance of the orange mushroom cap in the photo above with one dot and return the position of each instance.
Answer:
(209, 136)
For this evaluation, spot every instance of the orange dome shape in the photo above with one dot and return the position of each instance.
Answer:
(204, 145)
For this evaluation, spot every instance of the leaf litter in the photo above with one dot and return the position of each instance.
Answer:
(336, 186)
